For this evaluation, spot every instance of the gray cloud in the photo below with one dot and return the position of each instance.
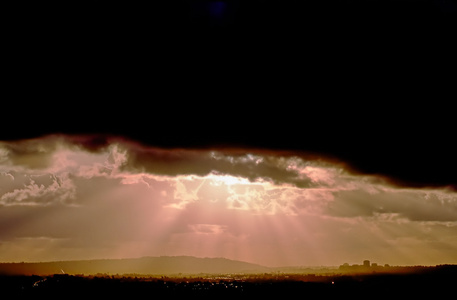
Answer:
(44, 171)
(415, 205)
(39, 154)
(253, 165)
(32, 154)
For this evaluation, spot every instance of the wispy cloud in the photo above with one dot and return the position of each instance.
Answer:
(208, 228)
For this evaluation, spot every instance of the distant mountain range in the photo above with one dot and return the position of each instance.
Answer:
(163, 265)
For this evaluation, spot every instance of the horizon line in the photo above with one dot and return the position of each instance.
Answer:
(220, 257)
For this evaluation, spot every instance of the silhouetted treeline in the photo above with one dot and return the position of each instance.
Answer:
(387, 269)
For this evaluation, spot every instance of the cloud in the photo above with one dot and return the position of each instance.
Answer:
(25, 189)
(3, 155)
(415, 205)
(116, 198)
(30, 154)
(45, 171)
(208, 228)
(223, 161)
(185, 191)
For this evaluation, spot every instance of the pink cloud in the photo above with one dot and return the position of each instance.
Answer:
(208, 228)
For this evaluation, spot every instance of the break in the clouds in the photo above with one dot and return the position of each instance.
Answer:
(78, 197)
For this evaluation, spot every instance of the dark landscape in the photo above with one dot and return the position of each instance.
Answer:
(355, 282)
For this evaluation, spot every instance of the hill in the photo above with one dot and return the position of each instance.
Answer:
(163, 265)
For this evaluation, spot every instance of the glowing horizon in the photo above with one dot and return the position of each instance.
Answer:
(65, 198)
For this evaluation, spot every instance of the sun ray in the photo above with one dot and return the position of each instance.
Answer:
(123, 199)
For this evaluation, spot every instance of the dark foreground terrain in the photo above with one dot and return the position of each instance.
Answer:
(438, 281)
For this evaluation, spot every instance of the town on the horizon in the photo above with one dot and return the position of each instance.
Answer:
(324, 282)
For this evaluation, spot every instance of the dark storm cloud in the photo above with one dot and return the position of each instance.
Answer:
(47, 171)
(253, 165)
(277, 166)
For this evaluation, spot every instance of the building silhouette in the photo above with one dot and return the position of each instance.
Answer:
(366, 266)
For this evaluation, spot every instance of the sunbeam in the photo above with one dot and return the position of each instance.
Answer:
(60, 199)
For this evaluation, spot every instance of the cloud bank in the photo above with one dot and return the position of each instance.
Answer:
(85, 197)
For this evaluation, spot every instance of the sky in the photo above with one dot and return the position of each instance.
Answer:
(66, 197)
(270, 132)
